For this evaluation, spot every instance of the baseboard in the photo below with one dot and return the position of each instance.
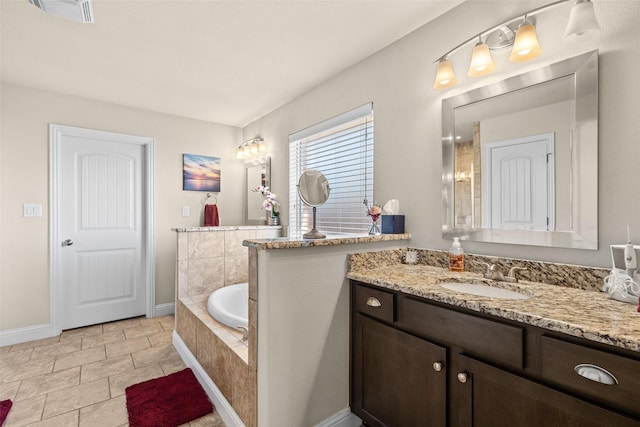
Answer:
(343, 418)
(165, 309)
(227, 413)
(29, 333)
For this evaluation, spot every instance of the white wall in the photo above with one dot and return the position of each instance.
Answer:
(407, 112)
(24, 178)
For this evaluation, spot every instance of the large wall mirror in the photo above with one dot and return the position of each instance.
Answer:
(257, 173)
(520, 158)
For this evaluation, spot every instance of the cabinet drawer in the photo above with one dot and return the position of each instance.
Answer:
(561, 360)
(493, 341)
(373, 302)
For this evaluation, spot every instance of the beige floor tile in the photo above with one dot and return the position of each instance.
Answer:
(148, 328)
(111, 413)
(106, 338)
(168, 323)
(19, 357)
(32, 368)
(120, 325)
(128, 346)
(67, 346)
(121, 381)
(161, 339)
(211, 420)
(36, 343)
(81, 332)
(70, 419)
(25, 412)
(153, 354)
(79, 358)
(61, 401)
(43, 384)
(172, 365)
(106, 368)
(9, 390)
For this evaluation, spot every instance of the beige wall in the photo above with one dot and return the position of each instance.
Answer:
(407, 112)
(24, 178)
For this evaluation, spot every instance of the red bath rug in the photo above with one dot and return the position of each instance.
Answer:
(5, 405)
(167, 401)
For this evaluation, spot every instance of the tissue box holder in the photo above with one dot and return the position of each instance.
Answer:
(392, 224)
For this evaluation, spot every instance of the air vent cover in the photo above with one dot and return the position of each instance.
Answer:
(75, 10)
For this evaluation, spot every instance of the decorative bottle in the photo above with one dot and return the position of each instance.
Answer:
(456, 256)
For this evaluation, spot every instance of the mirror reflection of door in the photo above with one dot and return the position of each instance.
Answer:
(518, 181)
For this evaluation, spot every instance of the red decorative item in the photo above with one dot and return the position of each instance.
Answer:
(167, 401)
(5, 405)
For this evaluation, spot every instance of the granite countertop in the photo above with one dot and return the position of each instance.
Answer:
(331, 239)
(224, 228)
(586, 314)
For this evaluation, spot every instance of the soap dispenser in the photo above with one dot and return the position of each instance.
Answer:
(456, 256)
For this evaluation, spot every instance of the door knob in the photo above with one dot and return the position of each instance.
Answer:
(462, 377)
(67, 242)
(437, 366)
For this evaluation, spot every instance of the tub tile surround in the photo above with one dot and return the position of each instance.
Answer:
(565, 299)
(209, 258)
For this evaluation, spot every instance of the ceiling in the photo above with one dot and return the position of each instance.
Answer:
(223, 61)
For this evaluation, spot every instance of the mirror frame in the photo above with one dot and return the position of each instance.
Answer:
(266, 161)
(585, 236)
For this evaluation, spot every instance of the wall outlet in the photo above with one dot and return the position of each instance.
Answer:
(185, 211)
(31, 211)
(411, 257)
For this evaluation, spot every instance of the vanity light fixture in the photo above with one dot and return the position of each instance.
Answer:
(525, 46)
(582, 19)
(251, 147)
(481, 60)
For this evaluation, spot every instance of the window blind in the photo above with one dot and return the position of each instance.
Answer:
(342, 149)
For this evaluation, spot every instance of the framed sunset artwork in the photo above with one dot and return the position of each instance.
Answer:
(200, 173)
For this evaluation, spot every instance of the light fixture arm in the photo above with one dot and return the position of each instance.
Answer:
(495, 27)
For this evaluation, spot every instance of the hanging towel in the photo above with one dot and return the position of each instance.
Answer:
(211, 217)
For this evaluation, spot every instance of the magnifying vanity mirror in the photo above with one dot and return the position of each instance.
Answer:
(313, 189)
(520, 158)
(257, 173)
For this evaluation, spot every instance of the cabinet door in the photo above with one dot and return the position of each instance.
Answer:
(394, 379)
(491, 397)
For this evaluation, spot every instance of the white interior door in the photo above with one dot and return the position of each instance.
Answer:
(102, 229)
(520, 192)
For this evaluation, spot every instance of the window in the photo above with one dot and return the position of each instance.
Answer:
(342, 149)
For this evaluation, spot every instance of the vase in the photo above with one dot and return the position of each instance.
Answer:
(274, 220)
(375, 228)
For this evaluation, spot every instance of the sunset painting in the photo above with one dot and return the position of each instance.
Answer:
(200, 173)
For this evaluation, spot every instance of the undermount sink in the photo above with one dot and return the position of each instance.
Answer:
(484, 290)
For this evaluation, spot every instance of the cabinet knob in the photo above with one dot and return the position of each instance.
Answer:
(437, 366)
(373, 302)
(462, 377)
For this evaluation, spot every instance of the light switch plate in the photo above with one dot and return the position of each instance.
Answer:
(30, 210)
(185, 211)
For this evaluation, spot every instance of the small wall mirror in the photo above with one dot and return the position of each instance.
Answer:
(257, 173)
(313, 189)
(520, 158)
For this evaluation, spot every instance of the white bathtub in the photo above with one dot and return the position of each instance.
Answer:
(230, 305)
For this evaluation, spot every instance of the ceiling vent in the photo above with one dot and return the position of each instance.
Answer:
(75, 10)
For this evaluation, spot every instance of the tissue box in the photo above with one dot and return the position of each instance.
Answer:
(392, 224)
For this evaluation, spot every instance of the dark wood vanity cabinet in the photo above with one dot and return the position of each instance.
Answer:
(418, 363)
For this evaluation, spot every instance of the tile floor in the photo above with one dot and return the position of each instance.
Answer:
(78, 378)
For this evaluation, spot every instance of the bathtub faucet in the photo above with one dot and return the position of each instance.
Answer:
(245, 332)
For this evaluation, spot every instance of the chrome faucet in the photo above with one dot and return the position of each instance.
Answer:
(493, 272)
